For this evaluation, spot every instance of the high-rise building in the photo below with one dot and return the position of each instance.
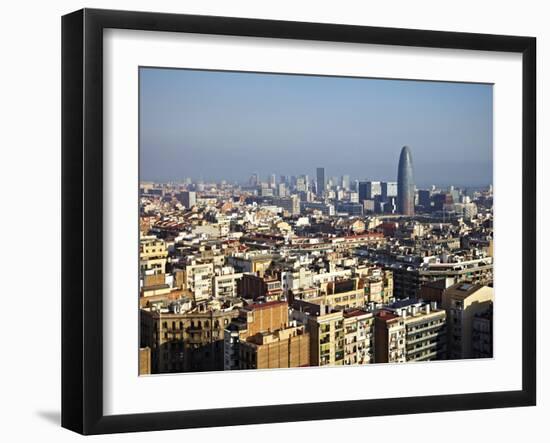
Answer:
(272, 181)
(345, 182)
(188, 199)
(388, 189)
(373, 189)
(425, 198)
(301, 185)
(405, 183)
(368, 190)
(254, 179)
(362, 191)
(321, 182)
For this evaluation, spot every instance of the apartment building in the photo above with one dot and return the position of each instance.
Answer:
(389, 337)
(482, 334)
(199, 279)
(284, 348)
(425, 330)
(463, 302)
(326, 328)
(358, 337)
(189, 341)
(152, 255)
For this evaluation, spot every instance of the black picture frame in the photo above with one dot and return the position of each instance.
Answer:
(82, 218)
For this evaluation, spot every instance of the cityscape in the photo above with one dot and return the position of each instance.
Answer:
(313, 268)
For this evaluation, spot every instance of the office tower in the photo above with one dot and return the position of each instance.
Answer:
(306, 181)
(321, 182)
(281, 190)
(254, 179)
(345, 182)
(369, 190)
(373, 189)
(463, 302)
(424, 198)
(301, 184)
(388, 189)
(405, 183)
(272, 181)
(188, 199)
(362, 190)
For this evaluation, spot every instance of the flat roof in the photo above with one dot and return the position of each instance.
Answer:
(269, 304)
(386, 315)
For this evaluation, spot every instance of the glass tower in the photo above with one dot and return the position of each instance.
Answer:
(405, 183)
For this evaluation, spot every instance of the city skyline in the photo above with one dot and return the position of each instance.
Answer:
(184, 123)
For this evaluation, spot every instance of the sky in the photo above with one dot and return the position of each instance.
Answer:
(215, 125)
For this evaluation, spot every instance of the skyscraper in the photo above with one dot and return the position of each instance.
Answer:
(405, 183)
(321, 182)
(388, 189)
(345, 182)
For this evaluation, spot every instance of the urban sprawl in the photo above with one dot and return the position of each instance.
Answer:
(296, 271)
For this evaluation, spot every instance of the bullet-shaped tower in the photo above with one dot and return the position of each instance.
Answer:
(405, 183)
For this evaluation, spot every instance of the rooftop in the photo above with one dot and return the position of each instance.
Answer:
(267, 305)
(386, 315)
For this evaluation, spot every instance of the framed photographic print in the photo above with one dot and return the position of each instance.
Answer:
(269, 221)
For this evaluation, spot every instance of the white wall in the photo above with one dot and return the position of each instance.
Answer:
(30, 170)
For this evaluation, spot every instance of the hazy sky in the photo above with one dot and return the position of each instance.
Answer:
(215, 125)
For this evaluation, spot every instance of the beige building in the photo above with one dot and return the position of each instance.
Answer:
(462, 302)
(199, 280)
(378, 284)
(284, 348)
(425, 331)
(226, 285)
(256, 263)
(144, 361)
(185, 342)
(152, 255)
(265, 317)
(326, 329)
